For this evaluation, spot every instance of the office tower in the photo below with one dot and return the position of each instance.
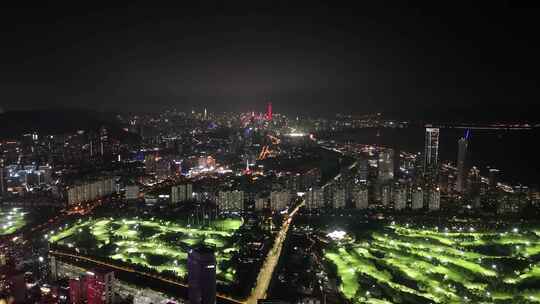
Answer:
(434, 199)
(339, 198)
(463, 143)
(360, 196)
(386, 165)
(315, 198)
(431, 148)
(400, 196)
(493, 178)
(99, 287)
(201, 266)
(279, 200)
(417, 199)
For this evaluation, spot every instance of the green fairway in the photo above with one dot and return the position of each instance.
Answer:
(11, 220)
(154, 244)
(398, 264)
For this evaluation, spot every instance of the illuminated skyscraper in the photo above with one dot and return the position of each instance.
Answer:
(201, 266)
(431, 148)
(269, 111)
(461, 158)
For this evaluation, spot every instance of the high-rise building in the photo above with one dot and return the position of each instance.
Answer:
(75, 291)
(386, 195)
(269, 111)
(461, 159)
(386, 165)
(417, 199)
(201, 266)
(99, 287)
(400, 196)
(230, 200)
(132, 192)
(434, 199)
(339, 198)
(474, 182)
(360, 196)
(2, 179)
(260, 203)
(279, 200)
(363, 169)
(431, 148)
(181, 193)
(315, 198)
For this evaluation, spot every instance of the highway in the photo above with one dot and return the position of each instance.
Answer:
(267, 270)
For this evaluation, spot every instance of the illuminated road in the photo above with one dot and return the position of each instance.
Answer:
(129, 269)
(267, 270)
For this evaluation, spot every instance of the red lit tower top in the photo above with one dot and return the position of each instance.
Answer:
(269, 111)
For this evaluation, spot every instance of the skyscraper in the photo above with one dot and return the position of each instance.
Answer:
(431, 148)
(201, 266)
(400, 196)
(434, 199)
(461, 158)
(269, 111)
(386, 165)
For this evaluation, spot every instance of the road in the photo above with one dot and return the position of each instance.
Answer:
(267, 270)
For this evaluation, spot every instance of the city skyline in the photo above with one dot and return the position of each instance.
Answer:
(276, 152)
(386, 58)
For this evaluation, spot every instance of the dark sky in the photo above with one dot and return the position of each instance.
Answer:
(315, 59)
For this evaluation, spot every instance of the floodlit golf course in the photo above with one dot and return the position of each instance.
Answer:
(151, 243)
(399, 264)
(11, 220)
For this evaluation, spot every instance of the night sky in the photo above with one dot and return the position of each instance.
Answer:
(310, 59)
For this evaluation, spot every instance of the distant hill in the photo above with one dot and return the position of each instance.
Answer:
(55, 121)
